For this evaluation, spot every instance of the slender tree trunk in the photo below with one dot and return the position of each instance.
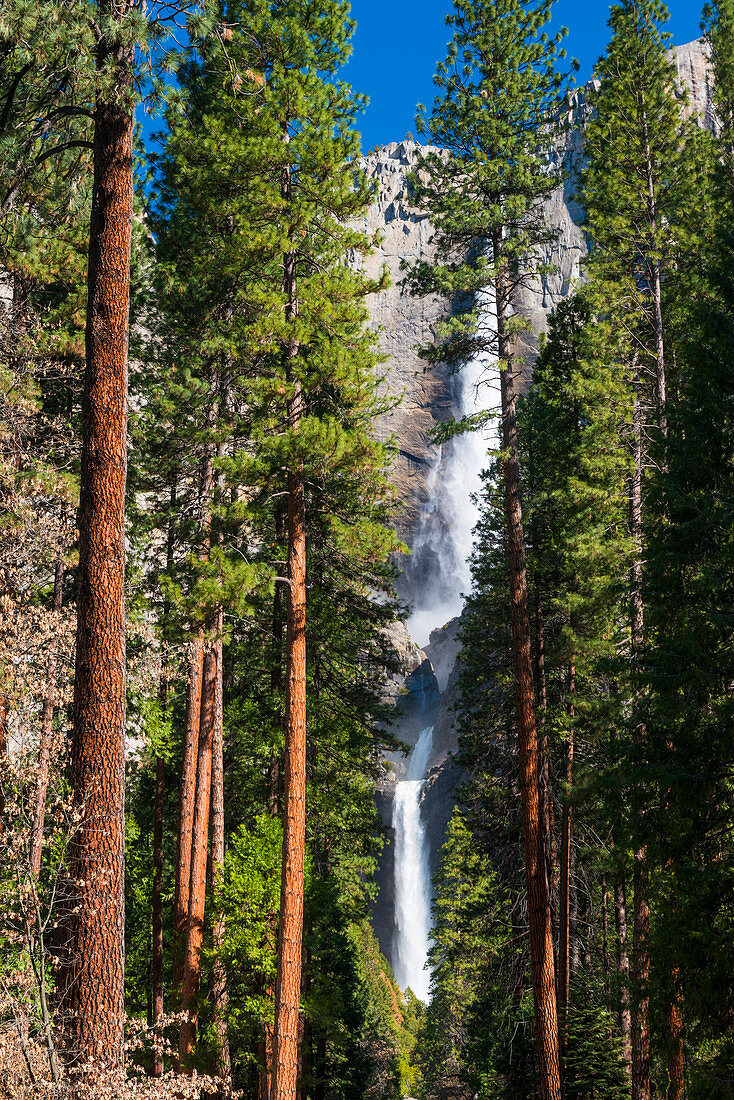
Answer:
(564, 947)
(197, 888)
(288, 983)
(546, 795)
(641, 913)
(186, 807)
(623, 970)
(541, 937)
(94, 978)
(220, 996)
(606, 962)
(47, 729)
(157, 954)
(676, 1060)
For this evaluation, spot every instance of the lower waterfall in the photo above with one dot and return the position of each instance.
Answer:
(412, 874)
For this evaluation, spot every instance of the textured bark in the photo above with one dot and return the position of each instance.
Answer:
(290, 930)
(541, 937)
(288, 985)
(220, 999)
(676, 1059)
(197, 888)
(44, 747)
(189, 766)
(186, 808)
(94, 977)
(623, 970)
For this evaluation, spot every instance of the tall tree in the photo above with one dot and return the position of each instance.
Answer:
(95, 974)
(641, 186)
(496, 115)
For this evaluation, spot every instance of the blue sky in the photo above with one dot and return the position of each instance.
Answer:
(398, 42)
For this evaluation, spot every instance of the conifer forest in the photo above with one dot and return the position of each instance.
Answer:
(366, 559)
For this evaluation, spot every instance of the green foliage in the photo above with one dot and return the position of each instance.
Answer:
(494, 121)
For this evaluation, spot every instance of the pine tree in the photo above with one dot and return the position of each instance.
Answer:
(641, 187)
(496, 115)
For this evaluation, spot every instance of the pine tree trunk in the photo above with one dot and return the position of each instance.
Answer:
(94, 978)
(220, 997)
(676, 1061)
(189, 765)
(157, 953)
(288, 985)
(288, 982)
(641, 912)
(546, 795)
(623, 970)
(564, 947)
(541, 938)
(47, 729)
(186, 808)
(606, 962)
(200, 842)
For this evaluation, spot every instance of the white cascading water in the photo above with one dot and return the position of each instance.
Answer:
(436, 578)
(437, 575)
(412, 874)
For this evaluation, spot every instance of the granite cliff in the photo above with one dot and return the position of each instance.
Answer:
(426, 476)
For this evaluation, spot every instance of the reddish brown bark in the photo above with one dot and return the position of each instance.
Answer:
(186, 807)
(288, 985)
(94, 977)
(197, 887)
(676, 1059)
(290, 930)
(181, 900)
(541, 937)
(44, 747)
(220, 999)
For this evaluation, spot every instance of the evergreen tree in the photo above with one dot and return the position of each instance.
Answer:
(497, 116)
(642, 188)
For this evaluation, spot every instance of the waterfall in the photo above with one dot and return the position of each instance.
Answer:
(437, 574)
(435, 579)
(412, 874)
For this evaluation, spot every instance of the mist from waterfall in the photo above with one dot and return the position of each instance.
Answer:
(412, 874)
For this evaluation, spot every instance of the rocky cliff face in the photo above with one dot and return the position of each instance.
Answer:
(428, 395)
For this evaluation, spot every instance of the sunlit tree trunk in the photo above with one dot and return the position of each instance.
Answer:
(290, 932)
(95, 974)
(197, 888)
